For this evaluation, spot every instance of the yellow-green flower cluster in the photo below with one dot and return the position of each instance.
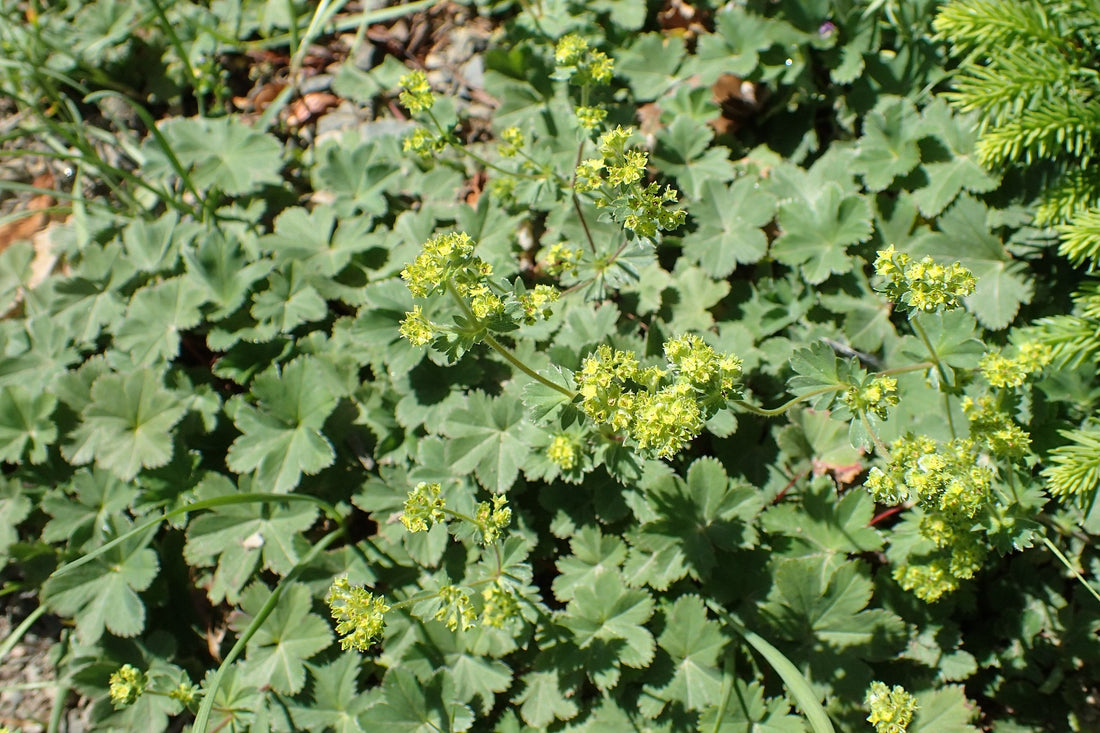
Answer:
(590, 117)
(588, 175)
(456, 609)
(447, 261)
(923, 286)
(127, 685)
(422, 142)
(416, 93)
(185, 693)
(536, 303)
(667, 420)
(423, 507)
(641, 208)
(648, 213)
(891, 709)
(417, 329)
(946, 478)
(511, 142)
(581, 64)
(628, 169)
(874, 397)
(560, 258)
(491, 520)
(500, 606)
(563, 452)
(995, 429)
(359, 614)
(658, 416)
(927, 581)
(952, 487)
(443, 256)
(702, 366)
(1002, 371)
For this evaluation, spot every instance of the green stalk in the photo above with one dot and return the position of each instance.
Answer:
(503, 350)
(1069, 566)
(944, 380)
(174, 40)
(202, 717)
(797, 685)
(194, 507)
(514, 360)
(776, 411)
(19, 631)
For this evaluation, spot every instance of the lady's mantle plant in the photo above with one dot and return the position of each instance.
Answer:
(472, 427)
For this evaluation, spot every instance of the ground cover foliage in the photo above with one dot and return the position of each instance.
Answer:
(735, 373)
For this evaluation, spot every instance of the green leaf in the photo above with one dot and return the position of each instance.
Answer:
(335, 703)
(223, 153)
(466, 656)
(745, 709)
(627, 14)
(90, 299)
(729, 220)
(825, 523)
(945, 710)
(694, 520)
(650, 63)
(15, 506)
(221, 265)
(154, 246)
(376, 328)
(290, 635)
(817, 232)
(734, 46)
(281, 435)
(81, 514)
(1003, 283)
(289, 300)
(127, 425)
(103, 593)
(684, 151)
(696, 293)
(953, 337)
(487, 437)
(321, 242)
(542, 700)
(694, 643)
(237, 537)
(355, 174)
(156, 316)
(819, 375)
(411, 706)
(888, 147)
(958, 170)
(610, 611)
(809, 602)
(25, 422)
(593, 556)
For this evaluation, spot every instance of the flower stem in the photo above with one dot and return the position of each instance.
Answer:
(944, 380)
(776, 411)
(879, 445)
(514, 360)
(503, 350)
